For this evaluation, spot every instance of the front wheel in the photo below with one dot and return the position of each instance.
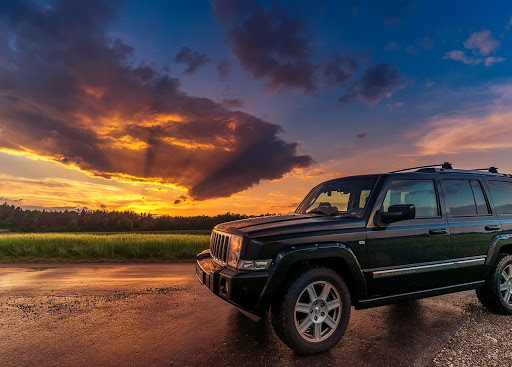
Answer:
(314, 311)
(496, 294)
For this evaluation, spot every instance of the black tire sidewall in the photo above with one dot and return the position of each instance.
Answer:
(296, 341)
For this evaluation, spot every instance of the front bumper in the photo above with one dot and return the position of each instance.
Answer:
(240, 288)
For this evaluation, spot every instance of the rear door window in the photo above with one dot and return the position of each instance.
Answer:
(466, 198)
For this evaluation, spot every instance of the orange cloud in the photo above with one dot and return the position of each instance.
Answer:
(307, 173)
(95, 92)
(188, 144)
(111, 118)
(463, 133)
(129, 142)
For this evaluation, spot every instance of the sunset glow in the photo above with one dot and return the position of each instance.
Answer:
(127, 109)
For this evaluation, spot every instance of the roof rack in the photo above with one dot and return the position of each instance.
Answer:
(445, 165)
(490, 169)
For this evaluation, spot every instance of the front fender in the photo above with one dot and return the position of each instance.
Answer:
(294, 254)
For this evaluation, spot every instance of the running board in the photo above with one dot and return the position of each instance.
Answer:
(387, 300)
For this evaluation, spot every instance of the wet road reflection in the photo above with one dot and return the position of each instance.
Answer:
(406, 334)
(159, 315)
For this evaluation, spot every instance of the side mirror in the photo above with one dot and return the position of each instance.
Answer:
(395, 213)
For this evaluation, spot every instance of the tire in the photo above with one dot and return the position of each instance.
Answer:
(317, 293)
(496, 294)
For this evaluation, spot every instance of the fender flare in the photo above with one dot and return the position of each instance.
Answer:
(286, 258)
(496, 244)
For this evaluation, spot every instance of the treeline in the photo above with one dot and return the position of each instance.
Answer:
(19, 220)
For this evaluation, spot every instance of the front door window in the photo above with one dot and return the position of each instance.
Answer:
(420, 193)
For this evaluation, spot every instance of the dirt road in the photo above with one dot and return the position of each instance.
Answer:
(159, 315)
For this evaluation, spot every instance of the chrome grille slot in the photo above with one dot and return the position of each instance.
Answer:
(223, 249)
(219, 246)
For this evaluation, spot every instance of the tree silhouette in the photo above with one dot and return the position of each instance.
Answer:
(19, 220)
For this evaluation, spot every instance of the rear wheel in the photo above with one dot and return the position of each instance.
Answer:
(314, 311)
(496, 294)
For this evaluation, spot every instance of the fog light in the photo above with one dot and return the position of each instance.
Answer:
(224, 286)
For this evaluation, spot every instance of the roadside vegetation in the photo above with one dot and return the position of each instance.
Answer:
(16, 219)
(92, 247)
(84, 235)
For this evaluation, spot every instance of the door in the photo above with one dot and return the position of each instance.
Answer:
(409, 255)
(473, 224)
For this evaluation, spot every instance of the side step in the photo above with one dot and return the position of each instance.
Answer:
(387, 300)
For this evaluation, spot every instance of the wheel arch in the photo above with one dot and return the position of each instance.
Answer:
(501, 243)
(506, 248)
(338, 264)
(290, 262)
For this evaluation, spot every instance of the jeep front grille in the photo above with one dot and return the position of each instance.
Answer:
(219, 246)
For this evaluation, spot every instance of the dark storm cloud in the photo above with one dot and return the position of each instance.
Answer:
(232, 102)
(277, 156)
(193, 59)
(70, 93)
(268, 43)
(376, 82)
(274, 46)
(338, 69)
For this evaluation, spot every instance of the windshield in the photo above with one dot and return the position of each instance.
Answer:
(343, 197)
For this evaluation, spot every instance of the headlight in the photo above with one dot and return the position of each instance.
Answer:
(235, 246)
(254, 264)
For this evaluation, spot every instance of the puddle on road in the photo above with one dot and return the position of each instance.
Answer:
(35, 307)
(40, 269)
(41, 279)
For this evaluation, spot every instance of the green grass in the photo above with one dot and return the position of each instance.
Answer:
(87, 247)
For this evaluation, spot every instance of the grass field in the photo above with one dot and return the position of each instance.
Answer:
(85, 247)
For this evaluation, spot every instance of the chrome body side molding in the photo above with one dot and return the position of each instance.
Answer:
(424, 268)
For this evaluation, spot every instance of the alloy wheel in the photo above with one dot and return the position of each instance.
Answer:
(318, 311)
(506, 284)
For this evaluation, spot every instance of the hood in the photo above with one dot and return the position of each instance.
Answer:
(288, 224)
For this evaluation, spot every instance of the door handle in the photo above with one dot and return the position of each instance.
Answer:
(437, 232)
(493, 227)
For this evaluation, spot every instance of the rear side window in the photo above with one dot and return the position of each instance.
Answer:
(502, 195)
(420, 193)
(466, 198)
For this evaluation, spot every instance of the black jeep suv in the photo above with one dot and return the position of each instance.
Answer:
(367, 241)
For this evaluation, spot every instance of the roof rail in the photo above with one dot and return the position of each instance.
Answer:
(445, 165)
(490, 169)
(447, 168)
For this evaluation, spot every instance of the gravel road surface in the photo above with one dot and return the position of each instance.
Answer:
(159, 315)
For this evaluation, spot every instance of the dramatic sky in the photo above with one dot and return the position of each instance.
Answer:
(203, 107)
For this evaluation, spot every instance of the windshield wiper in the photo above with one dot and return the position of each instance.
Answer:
(325, 211)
